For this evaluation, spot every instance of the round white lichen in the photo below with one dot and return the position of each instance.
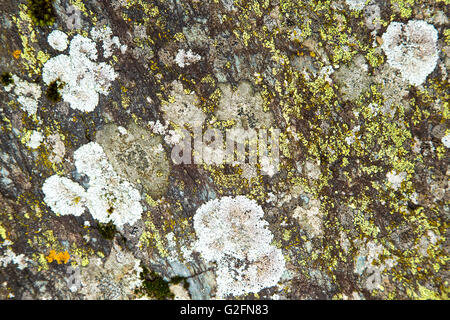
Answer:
(412, 49)
(80, 46)
(58, 40)
(109, 198)
(36, 139)
(64, 196)
(83, 78)
(232, 233)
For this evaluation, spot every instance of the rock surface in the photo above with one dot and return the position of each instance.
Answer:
(96, 96)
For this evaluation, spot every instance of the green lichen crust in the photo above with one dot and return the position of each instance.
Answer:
(138, 155)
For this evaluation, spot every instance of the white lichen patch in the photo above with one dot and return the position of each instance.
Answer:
(109, 198)
(27, 93)
(312, 169)
(109, 41)
(58, 40)
(395, 179)
(9, 257)
(185, 58)
(115, 279)
(353, 79)
(174, 137)
(64, 196)
(179, 292)
(427, 241)
(368, 261)
(36, 139)
(372, 15)
(182, 109)
(412, 49)
(83, 79)
(310, 218)
(171, 137)
(395, 89)
(232, 233)
(157, 127)
(244, 106)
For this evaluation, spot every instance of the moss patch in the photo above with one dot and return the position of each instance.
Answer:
(154, 285)
(179, 279)
(6, 79)
(42, 12)
(52, 92)
(107, 230)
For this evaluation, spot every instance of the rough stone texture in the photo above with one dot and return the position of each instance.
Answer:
(358, 208)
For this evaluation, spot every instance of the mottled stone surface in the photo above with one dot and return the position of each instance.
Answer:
(358, 208)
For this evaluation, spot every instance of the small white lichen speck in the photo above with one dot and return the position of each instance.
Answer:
(396, 179)
(185, 58)
(232, 233)
(109, 198)
(83, 79)
(412, 49)
(446, 140)
(36, 139)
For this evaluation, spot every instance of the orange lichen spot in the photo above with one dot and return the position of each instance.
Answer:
(60, 257)
(312, 54)
(16, 54)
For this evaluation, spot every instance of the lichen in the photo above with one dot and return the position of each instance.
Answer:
(83, 78)
(232, 233)
(137, 156)
(243, 106)
(117, 203)
(182, 108)
(412, 49)
(59, 257)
